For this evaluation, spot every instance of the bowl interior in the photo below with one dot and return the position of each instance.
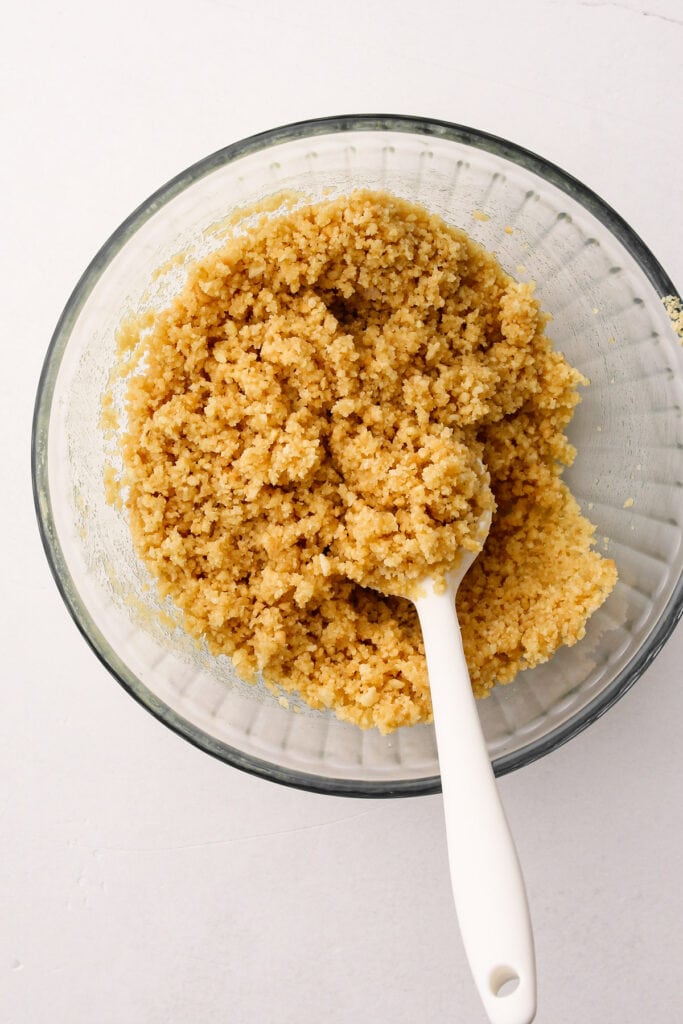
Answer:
(608, 320)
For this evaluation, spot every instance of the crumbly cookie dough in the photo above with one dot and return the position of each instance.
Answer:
(311, 415)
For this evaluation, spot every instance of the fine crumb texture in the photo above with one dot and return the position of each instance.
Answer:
(312, 414)
(279, 202)
(112, 489)
(109, 422)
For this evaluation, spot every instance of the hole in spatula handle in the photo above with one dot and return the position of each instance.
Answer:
(503, 981)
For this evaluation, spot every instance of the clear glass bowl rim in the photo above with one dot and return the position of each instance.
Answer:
(428, 127)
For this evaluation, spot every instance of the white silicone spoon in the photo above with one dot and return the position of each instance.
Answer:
(487, 882)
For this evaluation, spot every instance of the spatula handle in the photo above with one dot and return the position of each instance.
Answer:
(488, 887)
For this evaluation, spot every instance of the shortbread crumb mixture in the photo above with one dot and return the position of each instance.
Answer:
(310, 419)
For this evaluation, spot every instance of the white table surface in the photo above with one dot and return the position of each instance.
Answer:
(142, 882)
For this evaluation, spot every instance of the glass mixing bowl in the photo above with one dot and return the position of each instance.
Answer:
(604, 289)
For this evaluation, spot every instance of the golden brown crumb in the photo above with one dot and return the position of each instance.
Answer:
(480, 215)
(112, 488)
(628, 503)
(313, 407)
(109, 422)
(509, 230)
(674, 308)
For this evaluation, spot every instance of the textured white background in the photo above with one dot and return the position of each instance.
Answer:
(142, 882)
